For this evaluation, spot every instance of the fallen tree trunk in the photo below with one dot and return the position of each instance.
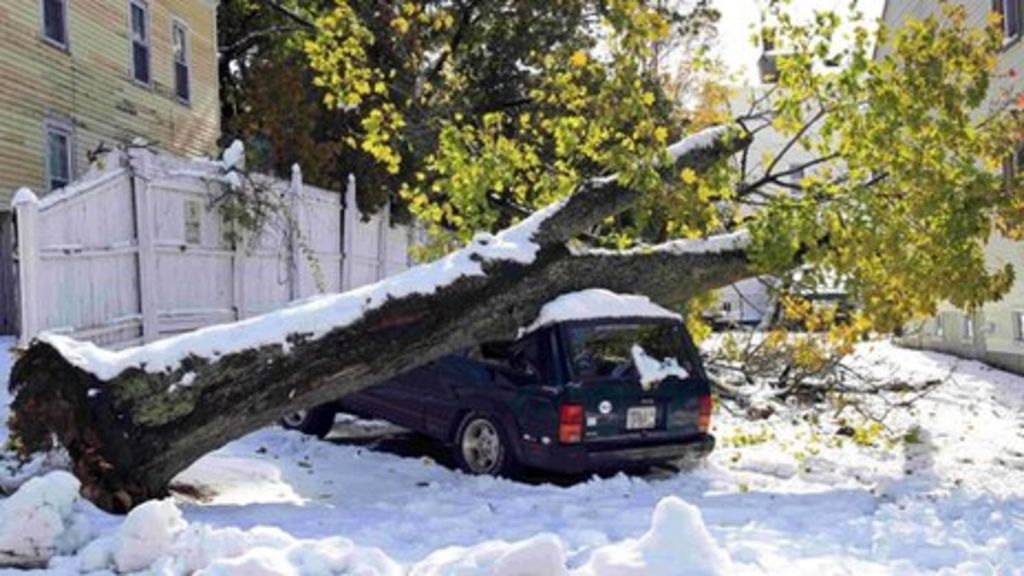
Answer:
(130, 421)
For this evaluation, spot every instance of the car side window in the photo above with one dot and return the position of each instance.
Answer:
(517, 359)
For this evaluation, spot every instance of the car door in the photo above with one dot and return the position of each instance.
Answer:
(440, 402)
(400, 399)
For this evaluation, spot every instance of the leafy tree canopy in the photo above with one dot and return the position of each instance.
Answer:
(478, 112)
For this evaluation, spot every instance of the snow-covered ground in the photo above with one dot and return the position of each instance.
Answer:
(940, 492)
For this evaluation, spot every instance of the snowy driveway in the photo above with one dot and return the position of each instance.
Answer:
(778, 497)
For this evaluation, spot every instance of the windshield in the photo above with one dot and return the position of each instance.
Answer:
(607, 350)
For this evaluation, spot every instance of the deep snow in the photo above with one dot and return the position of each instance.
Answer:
(783, 496)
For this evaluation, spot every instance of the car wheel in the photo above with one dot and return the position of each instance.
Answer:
(481, 447)
(314, 422)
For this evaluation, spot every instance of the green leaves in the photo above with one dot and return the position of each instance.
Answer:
(904, 212)
(479, 119)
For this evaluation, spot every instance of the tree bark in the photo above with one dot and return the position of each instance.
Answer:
(128, 436)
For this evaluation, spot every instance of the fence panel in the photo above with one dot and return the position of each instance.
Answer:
(137, 253)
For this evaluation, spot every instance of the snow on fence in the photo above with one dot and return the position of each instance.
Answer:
(135, 252)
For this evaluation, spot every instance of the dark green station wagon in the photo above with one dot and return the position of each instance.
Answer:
(606, 382)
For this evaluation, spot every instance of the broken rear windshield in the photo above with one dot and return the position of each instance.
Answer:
(599, 351)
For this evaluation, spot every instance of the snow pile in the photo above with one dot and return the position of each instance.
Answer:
(146, 534)
(543, 554)
(40, 520)
(233, 155)
(678, 543)
(155, 536)
(597, 303)
(653, 370)
(314, 316)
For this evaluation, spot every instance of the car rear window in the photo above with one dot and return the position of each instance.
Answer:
(599, 351)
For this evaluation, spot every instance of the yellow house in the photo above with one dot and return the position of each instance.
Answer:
(79, 76)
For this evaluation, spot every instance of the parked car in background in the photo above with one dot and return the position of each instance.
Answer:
(606, 386)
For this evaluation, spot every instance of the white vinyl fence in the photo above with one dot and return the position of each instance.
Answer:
(135, 252)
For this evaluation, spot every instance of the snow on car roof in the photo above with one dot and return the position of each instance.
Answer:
(597, 304)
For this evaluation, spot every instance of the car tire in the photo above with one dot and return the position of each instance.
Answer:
(481, 447)
(314, 422)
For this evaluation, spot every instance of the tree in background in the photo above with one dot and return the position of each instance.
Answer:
(368, 87)
(268, 98)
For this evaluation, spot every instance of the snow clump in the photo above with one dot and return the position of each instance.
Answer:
(40, 520)
(678, 543)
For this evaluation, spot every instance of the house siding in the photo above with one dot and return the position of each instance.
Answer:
(996, 339)
(90, 85)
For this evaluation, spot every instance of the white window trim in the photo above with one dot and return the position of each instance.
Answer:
(1018, 329)
(67, 128)
(66, 45)
(1007, 39)
(179, 23)
(967, 327)
(149, 43)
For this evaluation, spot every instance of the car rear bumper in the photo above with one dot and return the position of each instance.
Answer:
(582, 458)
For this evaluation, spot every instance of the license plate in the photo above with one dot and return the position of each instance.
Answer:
(641, 417)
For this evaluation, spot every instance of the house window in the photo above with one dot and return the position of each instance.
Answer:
(1018, 326)
(968, 328)
(179, 38)
(140, 40)
(939, 332)
(1009, 10)
(59, 160)
(55, 22)
(193, 222)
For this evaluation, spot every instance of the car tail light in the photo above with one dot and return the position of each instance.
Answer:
(705, 405)
(570, 424)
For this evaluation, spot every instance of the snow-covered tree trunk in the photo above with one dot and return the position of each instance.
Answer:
(132, 420)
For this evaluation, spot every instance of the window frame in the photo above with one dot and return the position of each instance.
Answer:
(64, 44)
(65, 128)
(179, 24)
(1018, 325)
(967, 328)
(148, 21)
(1000, 7)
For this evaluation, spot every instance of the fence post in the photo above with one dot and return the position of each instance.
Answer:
(26, 209)
(411, 234)
(382, 242)
(139, 159)
(238, 272)
(294, 273)
(348, 230)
